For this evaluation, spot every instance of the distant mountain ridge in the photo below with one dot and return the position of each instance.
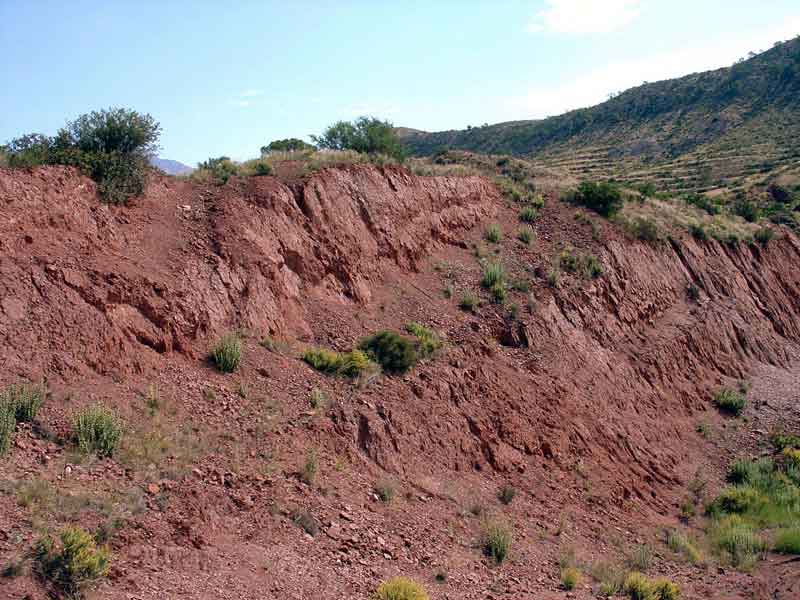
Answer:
(170, 167)
(749, 111)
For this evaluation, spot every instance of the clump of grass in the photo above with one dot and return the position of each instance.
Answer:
(642, 557)
(71, 563)
(493, 233)
(227, 353)
(317, 399)
(638, 587)
(493, 274)
(525, 235)
(781, 441)
(552, 278)
(506, 494)
(787, 541)
(468, 302)
(400, 588)
(498, 292)
(730, 401)
(8, 424)
(386, 490)
(737, 540)
(592, 269)
(393, 352)
(308, 472)
(763, 235)
(680, 544)
(97, 430)
(568, 261)
(428, 341)
(496, 540)
(528, 214)
(610, 576)
(26, 400)
(345, 364)
(570, 577)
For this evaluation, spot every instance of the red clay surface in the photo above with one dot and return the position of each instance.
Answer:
(587, 402)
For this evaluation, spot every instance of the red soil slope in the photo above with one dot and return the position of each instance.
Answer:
(587, 402)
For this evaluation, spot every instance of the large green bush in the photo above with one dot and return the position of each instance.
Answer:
(287, 145)
(112, 146)
(393, 352)
(367, 135)
(97, 430)
(602, 197)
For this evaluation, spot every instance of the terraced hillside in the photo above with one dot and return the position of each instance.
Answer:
(726, 128)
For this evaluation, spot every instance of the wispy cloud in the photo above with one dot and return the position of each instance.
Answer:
(251, 93)
(585, 16)
(241, 103)
(595, 86)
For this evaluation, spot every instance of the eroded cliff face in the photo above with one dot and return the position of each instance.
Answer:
(610, 377)
(88, 286)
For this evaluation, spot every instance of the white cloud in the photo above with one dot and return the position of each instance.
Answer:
(594, 86)
(242, 103)
(585, 16)
(251, 93)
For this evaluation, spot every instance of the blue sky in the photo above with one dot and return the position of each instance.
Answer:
(226, 78)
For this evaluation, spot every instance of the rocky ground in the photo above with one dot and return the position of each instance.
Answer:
(585, 398)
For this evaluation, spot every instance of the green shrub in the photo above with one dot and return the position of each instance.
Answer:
(737, 539)
(787, 541)
(603, 198)
(73, 562)
(25, 400)
(568, 261)
(680, 544)
(365, 135)
(469, 301)
(763, 235)
(644, 229)
(308, 471)
(346, 364)
(747, 209)
(263, 168)
(693, 292)
(8, 424)
(112, 146)
(592, 269)
(642, 557)
(219, 169)
(287, 145)
(506, 494)
(737, 499)
(638, 587)
(664, 589)
(493, 233)
(498, 292)
(496, 540)
(428, 341)
(785, 440)
(528, 214)
(730, 401)
(393, 352)
(698, 232)
(493, 274)
(570, 577)
(97, 430)
(227, 353)
(525, 235)
(400, 588)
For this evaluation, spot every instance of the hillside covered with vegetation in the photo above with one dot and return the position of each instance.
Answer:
(695, 133)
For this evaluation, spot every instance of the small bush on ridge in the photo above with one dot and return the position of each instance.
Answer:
(730, 401)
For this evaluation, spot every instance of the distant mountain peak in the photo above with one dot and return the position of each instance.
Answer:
(170, 167)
